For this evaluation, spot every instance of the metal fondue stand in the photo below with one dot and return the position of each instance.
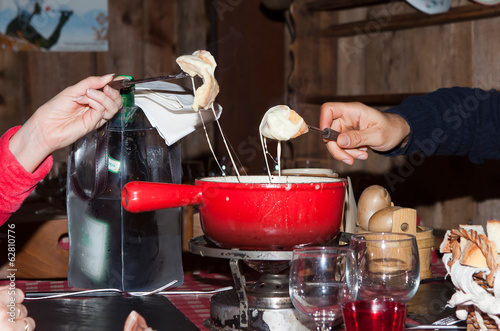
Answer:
(262, 305)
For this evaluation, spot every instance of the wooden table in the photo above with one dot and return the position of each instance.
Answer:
(41, 247)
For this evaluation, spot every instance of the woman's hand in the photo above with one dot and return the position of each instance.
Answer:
(361, 127)
(136, 322)
(13, 314)
(61, 121)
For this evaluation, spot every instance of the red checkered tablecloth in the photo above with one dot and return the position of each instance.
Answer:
(196, 307)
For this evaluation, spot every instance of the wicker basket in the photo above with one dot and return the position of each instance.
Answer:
(486, 282)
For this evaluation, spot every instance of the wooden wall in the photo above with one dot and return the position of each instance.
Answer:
(145, 38)
(381, 67)
(250, 51)
(257, 70)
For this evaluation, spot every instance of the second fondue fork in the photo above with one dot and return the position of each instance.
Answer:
(327, 132)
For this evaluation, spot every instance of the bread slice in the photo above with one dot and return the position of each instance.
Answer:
(296, 119)
(478, 228)
(282, 123)
(493, 230)
(445, 246)
(201, 63)
(473, 256)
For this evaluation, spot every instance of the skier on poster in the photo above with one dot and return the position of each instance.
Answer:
(21, 27)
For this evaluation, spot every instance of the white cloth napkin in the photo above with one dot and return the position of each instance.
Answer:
(168, 108)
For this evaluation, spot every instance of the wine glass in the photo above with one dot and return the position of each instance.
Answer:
(322, 279)
(387, 265)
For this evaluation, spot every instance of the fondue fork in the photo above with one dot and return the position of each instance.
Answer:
(122, 83)
(327, 132)
(447, 323)
(436, 327)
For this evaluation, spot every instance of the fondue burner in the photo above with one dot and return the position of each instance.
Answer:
(262, 305)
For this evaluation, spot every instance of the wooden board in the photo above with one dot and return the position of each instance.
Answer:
(38, 254)
(250, 73)
(314, 59)
(485, 54)
(46, 74)
(12, 109)
(192, 29)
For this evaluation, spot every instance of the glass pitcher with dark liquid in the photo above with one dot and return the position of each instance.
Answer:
(109, 246)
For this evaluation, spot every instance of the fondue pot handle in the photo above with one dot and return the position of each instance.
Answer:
(146, 196)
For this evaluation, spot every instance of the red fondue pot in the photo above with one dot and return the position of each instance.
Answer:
(254, 214)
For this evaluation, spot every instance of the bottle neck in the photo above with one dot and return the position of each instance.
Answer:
(128, 92)
(127, 113)
(128, 96)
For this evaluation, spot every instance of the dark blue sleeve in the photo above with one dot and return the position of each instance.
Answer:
(452, 121)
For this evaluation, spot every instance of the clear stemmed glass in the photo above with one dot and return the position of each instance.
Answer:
(321, 280)
(387, 265)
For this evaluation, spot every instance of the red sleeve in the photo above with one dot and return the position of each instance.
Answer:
(15, 182)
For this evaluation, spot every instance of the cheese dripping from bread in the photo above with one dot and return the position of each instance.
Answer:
(280, 123)
(202, 63)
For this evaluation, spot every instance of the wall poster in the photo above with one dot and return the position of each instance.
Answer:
(54, 25)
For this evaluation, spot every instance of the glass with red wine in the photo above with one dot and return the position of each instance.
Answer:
(380, 315)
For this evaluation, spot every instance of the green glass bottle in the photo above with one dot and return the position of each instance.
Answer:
(113, 248)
